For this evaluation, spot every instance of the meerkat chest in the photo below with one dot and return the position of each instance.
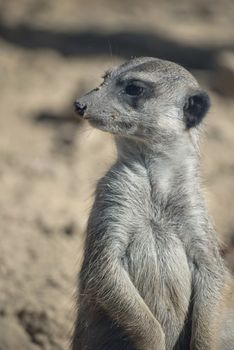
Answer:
(159, 270)
(154, 256)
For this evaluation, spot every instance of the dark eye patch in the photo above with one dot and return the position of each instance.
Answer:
(134, 90)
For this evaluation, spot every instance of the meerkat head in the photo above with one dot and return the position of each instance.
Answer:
(147, 99)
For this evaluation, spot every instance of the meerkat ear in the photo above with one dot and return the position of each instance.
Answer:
(195, 108)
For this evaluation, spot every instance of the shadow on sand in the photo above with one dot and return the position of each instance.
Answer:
(125, 44)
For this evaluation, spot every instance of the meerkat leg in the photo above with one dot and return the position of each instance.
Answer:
(208, 300)
(226, 340)
(109, 284)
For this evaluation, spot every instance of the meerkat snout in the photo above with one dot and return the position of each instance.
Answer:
(80, 108)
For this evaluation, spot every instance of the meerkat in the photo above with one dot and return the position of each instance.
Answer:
(152, 277)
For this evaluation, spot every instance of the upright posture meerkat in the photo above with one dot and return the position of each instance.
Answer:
(152, 276)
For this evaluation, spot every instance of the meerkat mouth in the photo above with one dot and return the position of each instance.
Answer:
(121, 125)
(125, 125)
(97, 122)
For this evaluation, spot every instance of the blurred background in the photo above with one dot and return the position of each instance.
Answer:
(52, 51)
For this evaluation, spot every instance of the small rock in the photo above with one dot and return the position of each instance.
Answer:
(2, 312)
(69, 229)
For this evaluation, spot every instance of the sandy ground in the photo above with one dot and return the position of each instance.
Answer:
(49, 163)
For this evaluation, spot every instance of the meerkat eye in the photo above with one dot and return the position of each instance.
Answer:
(134, 90)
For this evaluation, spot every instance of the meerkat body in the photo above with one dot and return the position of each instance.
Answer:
(152, 277)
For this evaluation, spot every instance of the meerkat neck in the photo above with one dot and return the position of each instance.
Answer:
(171, 172)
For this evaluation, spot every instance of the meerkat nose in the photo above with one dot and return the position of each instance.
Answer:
(80, 108)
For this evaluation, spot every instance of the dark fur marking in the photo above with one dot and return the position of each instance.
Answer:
(195, 108)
